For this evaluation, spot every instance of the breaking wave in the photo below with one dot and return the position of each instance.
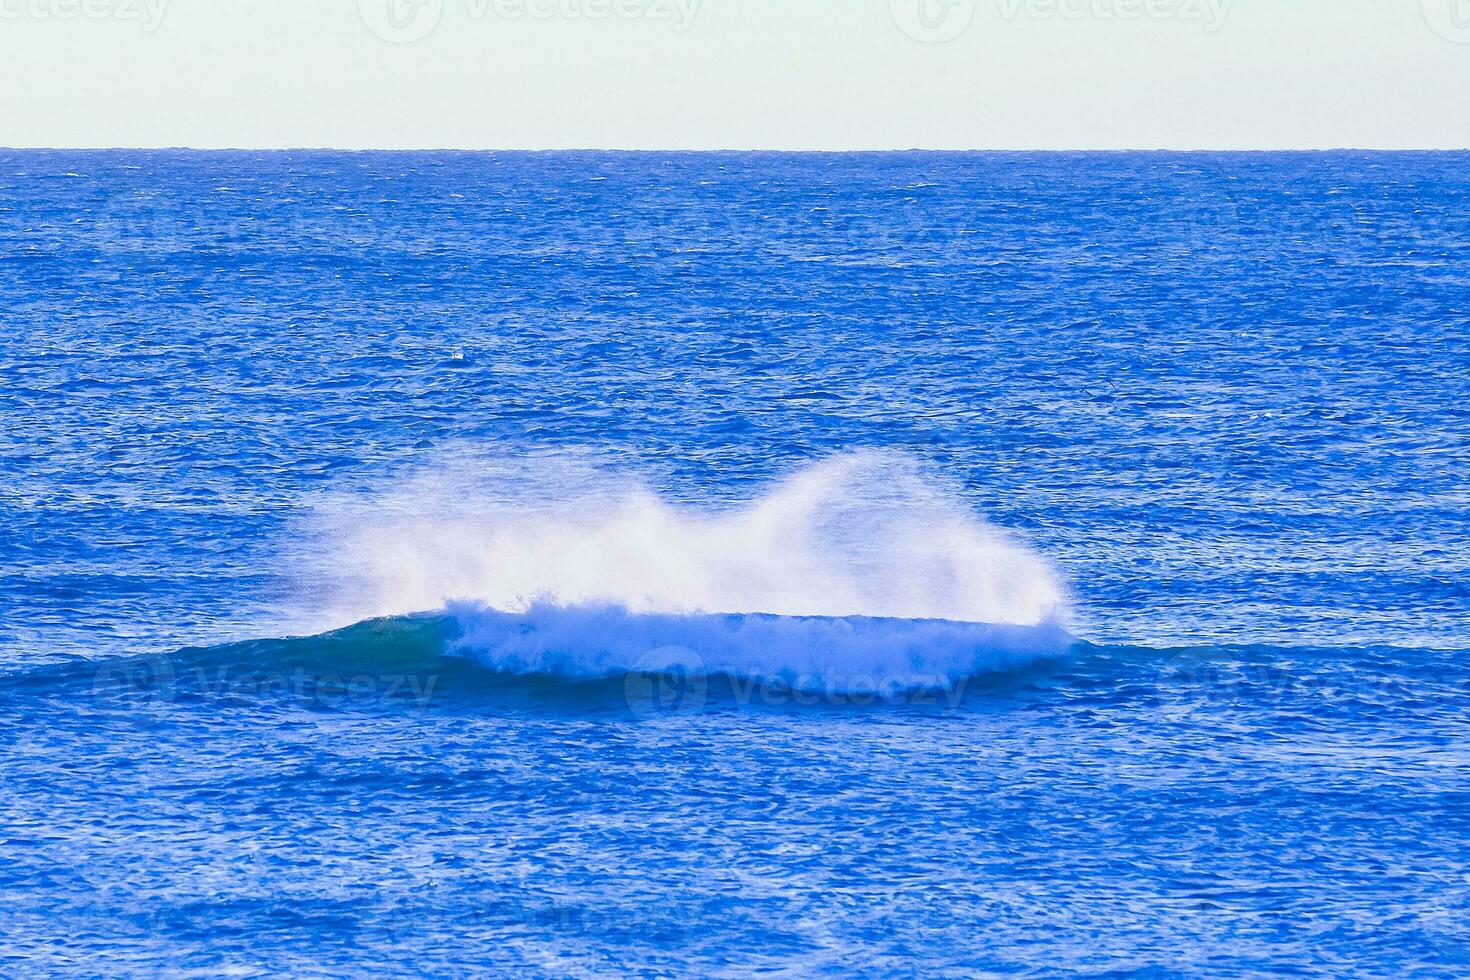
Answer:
(863, 565)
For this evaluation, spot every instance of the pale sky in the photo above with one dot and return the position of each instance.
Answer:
(761, 74)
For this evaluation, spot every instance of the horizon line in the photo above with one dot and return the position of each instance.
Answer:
(712, 150)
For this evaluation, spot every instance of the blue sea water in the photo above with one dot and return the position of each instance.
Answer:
(662, 564)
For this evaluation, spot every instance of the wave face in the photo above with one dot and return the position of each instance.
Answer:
(863, 564)
(837, 655)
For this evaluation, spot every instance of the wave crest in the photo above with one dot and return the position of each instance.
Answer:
(867, 534)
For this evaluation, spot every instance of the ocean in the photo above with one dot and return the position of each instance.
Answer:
(569, 564)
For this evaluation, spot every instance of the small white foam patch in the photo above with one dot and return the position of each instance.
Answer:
(838, 655)
(867, 534)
